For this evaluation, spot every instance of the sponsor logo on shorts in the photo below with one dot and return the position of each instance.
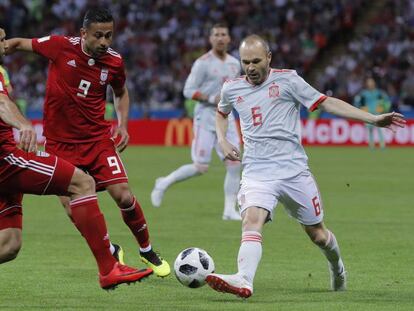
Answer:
(42, 154)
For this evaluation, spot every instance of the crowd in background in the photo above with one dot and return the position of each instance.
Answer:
(160, 39)
(384, 51)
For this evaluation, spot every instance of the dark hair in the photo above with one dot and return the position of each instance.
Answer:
(219, 25)
(97, 15)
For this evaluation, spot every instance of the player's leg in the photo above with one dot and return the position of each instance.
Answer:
(115, 249)
(10, 226)
(381, 137)
(371, 140)
(302, 200)
(91, 224)
(47, 174)
(134, 218)
(201, 147)
(328, 244)
(232, 178)
(251, 196)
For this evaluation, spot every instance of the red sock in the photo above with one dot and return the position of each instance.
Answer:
(134, 218)
(91, 224)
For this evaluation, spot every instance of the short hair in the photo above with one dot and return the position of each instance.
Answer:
(257, 38)
(97, 15)
(219, 25)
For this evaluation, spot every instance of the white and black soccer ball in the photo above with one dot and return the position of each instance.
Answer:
(192, 266)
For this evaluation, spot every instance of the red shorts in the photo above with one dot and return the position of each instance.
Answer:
(33, 173)
(99, 159)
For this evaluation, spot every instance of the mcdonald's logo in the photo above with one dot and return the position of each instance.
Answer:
(180, 129)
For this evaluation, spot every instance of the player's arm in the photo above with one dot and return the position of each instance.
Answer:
(342, 109)
(193, 83)
(121, 103)
(223, 110)
(11, 115)
(19, 44)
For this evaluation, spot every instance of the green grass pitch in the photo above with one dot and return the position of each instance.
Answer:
(369, 204)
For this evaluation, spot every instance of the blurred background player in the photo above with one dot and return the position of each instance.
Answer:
(80, 70)
(375, 101)
(203, 85)
(274, 162)
(22, 170)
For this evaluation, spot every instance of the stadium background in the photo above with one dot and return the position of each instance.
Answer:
(367, 195)
(334, 44)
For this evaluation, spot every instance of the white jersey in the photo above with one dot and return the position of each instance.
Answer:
(270, 122)
(207, 77)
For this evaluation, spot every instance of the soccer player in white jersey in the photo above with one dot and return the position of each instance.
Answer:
(274, 162)
(203, 85)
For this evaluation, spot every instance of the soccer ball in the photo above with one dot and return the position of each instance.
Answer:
(192, 266)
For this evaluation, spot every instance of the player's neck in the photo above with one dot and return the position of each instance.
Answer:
(87, 51)
(220, 54)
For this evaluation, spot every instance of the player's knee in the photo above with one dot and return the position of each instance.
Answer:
(123, 197)
(251, 221)
(319, 237)
(83, 183)
(201, 168)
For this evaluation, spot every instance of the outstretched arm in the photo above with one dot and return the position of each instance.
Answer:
(121, 103)
(11, 115)
(342, 109)
(19, 44)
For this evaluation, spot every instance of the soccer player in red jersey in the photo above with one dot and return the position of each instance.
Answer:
(80, 70)
(22, 170)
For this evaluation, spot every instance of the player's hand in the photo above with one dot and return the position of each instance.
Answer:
(390, 120)
(121, 136)
(230, 152)
(28, 140)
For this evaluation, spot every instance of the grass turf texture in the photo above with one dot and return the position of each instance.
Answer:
(368, 199)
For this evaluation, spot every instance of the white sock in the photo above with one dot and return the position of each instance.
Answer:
(332, 253)
(250, 253)
(146, 249)
(180, 174)
(111, 248)
(231, 187)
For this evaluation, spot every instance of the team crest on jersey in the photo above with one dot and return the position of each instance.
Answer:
(274, 91)
(104, 75)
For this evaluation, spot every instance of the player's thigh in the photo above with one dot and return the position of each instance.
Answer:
(104, 164)
(37, 173)
(11, 213)
(302, 200)
(259, 194)
(233, 138)
(202, 145)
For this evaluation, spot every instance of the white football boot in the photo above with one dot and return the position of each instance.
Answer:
(338, 280)
(158, 192)
(232, 284)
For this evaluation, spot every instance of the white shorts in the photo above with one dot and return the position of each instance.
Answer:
(300, 196)
(204, 141)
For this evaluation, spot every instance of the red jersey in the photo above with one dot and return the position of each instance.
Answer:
(6, 131)
(76, 89)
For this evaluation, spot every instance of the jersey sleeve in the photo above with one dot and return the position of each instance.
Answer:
(49, 46)
(119, 79)
(3, 89)
(303, 93)
(224, 106)
(194, 80)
